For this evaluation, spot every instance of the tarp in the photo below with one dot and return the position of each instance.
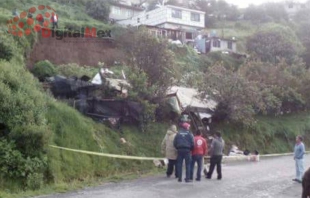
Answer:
(68, 87)
(114, 109)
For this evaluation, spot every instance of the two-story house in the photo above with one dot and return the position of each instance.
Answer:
(172, 22)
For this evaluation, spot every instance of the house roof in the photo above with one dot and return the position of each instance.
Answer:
(189, 97)
(224, 39)
(127, 6)
(187, 9)
(182, 26)
(162, 28)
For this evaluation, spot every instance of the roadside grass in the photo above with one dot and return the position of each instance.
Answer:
(269, 134)
(63, 187)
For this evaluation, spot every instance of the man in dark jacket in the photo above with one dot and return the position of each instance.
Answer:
(216, 153)
(184, 143)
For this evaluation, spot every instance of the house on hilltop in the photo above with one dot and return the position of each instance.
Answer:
(293, 7)
(171, 22)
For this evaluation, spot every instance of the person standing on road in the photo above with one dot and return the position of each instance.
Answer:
(200, 149)
(169, 150)
(216, 153)
(299, 151)
(184, 143)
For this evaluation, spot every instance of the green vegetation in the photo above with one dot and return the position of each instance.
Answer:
(269, 134)
(5, 52)
(73, 69)
(262, 104)
(33, 121)
(98, 9)
(43, 69)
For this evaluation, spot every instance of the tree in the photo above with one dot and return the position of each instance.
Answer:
(274, 42)
(267, 12)
(276, 11)
(150, 55)
(256, 14)
(302, 16)
(303, 34)
(236, 96)
(278, 84)
(98, 9)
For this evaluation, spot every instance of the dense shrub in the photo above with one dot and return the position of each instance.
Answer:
(274, 42)
(148, 55)
(14, 165)
(74, 69)
(43, 69)
(30, 140)
(98, 9)
(5, 52)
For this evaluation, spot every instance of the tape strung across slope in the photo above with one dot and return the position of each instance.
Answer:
(108, 155)
(225, 158)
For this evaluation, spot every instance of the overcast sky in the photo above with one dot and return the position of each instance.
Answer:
(245, 3)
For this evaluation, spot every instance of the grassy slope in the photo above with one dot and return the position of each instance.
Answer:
(73, 130)
(72, 14)
(270, 134)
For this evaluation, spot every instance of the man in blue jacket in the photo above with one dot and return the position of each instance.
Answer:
(299, 151)
(184, 143)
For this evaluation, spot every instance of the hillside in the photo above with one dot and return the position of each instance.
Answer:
(82, 51)
(32, 119)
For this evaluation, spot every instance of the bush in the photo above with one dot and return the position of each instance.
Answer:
(14, 166)
(43, 69)
(30, 140)
(74, 69)
(5, 52)
(98, 9)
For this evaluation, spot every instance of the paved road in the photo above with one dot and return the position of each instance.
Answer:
(265, 179)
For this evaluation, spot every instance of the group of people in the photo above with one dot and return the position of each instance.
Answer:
(181, 145)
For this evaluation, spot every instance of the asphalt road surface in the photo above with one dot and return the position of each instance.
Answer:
(265, 179)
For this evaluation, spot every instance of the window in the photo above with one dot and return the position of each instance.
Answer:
(153, 32)
(229, 45)
(116, 10)
(164, 33)
(147, 16)
(217, 43)
(189, 35)
(129, 13)
(195, 17)
(176, 13)
(138, 20)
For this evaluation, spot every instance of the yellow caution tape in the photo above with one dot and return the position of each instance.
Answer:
(157, 158)
(108, 155)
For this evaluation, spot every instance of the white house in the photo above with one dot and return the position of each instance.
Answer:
(124, 10)
(292, 7)
(213, 44)
(170, 17)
